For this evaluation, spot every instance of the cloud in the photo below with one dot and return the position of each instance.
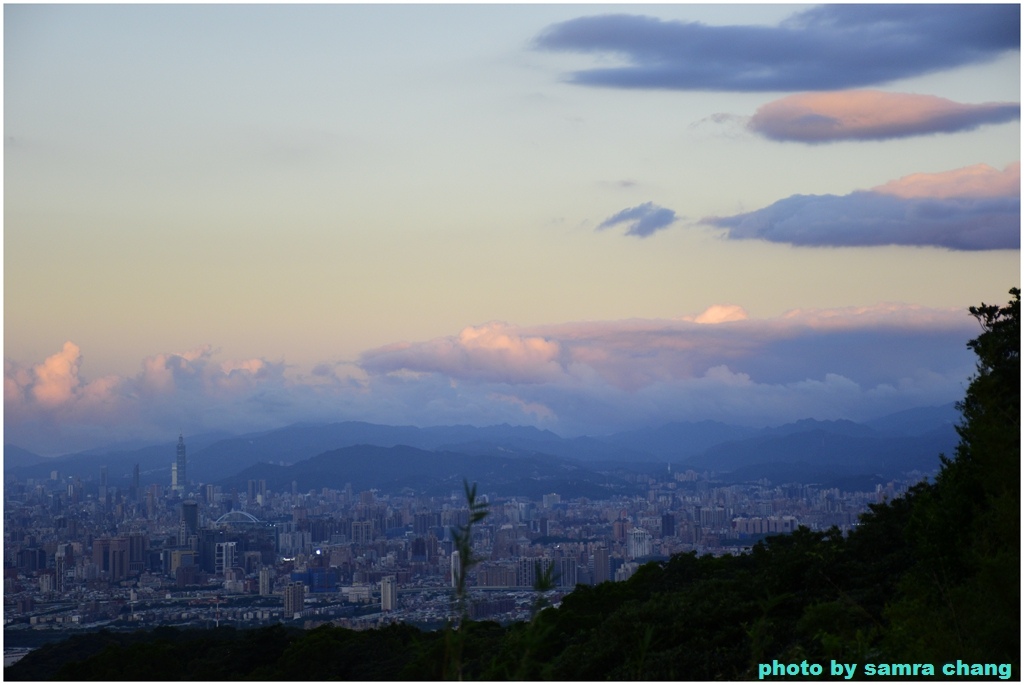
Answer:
(720, 313)
(57, 377)
(975, 208)
(590, 377)
(977, 181)
(643, 220)
(871, 115)
(829, 47)
(820, 363)
(493, 352)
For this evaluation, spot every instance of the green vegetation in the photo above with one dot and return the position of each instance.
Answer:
(931, 577)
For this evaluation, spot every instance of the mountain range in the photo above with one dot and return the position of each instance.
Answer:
(439, 457)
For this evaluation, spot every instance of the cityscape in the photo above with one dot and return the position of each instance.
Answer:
(649, 342)
(81, 554)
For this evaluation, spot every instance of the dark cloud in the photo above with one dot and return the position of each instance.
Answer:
(825, 48)
(870, 218)
(643, 220)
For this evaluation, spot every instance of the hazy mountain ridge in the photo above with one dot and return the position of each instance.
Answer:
(904, 441)
(437, 473)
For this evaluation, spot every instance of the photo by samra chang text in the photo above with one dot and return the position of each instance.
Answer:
(837, 669)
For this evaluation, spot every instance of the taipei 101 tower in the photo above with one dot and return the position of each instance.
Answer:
(180, 481)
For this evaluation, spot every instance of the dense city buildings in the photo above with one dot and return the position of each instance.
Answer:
(85, 550)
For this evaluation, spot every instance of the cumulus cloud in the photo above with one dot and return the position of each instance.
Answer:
(49, 405)
(969, 209)
(719, 364)
(871, 115)
(829, 47)
(579, 377)
(642, 220)
(492, 352)
(57, 377)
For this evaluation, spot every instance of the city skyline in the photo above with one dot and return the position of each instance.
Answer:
(239, 217)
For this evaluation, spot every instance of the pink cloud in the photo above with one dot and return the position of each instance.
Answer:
(495, 351)
(57, 377)
(979, 180)
(720, 313)
(871, 115)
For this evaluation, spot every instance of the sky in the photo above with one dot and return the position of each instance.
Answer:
(585, 218)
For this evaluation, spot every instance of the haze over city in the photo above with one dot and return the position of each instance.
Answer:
(582, 218)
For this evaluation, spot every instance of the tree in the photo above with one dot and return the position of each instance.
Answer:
(962, 596)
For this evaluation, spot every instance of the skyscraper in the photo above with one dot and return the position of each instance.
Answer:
(456, 569)
(266, 581)
(388, 593)
(181, 463)
(294, 599)
(639, 543)
(602, 567)
(190, 515)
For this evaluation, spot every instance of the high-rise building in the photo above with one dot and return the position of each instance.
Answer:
(456, 569)
(567, 571)
(639, 543)
(190, 516)
(138, 544)
(226, 556)
(362, 532)
(103, 484)
(668, 525)
(388, 593)
(294, 599)
(111, 555)
(602, 567)
(181, 463)
(266, 581)
(61, 562)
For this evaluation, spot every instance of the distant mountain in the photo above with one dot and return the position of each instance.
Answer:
(294, 443)
(826, 453)
(919, 421)
(910, 439)
(679, 440)
(16, 457)
(840, 427)
(393, 469)
(154, 461)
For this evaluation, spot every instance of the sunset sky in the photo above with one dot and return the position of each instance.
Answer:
(586, 218)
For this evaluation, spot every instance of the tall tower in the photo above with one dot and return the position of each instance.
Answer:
(456, 569)
(388, 593)
(181, 463)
